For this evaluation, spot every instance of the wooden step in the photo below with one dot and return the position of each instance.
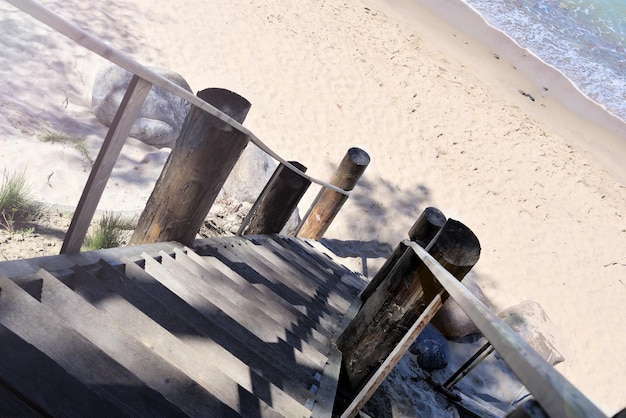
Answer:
(283, 355)
(25, 390)
(295, 322)
(195, 364)
(245, 310)
(279, 373)
(264, 290)
(40, 327)
(344, 281)
(327, 283)
(190, 393)
(295, 289)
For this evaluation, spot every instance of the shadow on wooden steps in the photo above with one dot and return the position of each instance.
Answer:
(235, 327)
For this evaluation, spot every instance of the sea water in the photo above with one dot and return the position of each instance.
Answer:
(583, 39)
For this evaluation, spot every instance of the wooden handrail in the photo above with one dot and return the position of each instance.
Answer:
(95, 45)
(556, 395)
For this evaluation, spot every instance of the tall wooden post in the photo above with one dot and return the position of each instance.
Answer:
(399, 300)
(203, 157)
(422, 232)
(277, 201)
(328, 202)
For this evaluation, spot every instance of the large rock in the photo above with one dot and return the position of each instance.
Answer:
(162, 115)
(430, 349)
(451, 320)
(250, 175)
(530, 321)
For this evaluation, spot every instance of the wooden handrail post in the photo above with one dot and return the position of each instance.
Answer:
(328, 202)
(399, 300)
(129, 109)
(277, 201)
(203, 157)
(422, 232)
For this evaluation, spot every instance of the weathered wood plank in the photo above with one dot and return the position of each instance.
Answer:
(39, 326)
(12, 406)
(176, 352)
(123, 121)
(302, 260)
(257, 272)
(154, 370)
(323, 254)
(277, 352)
(244, 306)
(260, 293)
(28, 373)
(235, 250)
(285, 318)
(226, 346)
(245, 312)
(280, 295)
(325, 400)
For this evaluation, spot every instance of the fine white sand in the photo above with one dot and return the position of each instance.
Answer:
(439, 112)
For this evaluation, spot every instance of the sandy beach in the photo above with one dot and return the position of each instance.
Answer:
(446, 117)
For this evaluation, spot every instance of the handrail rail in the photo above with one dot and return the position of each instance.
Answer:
(556, 395)
(95, 45)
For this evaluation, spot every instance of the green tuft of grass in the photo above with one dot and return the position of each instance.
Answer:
(110, 232)
(16, 204)
(57, 137)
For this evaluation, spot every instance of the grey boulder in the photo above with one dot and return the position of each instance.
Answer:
(162, 115)
(530, 321)
(451, 321)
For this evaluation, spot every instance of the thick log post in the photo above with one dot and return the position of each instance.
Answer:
(399, 300)
(203, 157)
(422, 232)
(277, 201)
(328, 202)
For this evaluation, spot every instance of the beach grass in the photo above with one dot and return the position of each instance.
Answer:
(58, 137)
(111, 231)
(16, 204)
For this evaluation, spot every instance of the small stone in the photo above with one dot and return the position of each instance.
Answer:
(430, 349)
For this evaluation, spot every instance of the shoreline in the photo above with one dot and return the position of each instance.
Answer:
(555, 98)
(442, 119)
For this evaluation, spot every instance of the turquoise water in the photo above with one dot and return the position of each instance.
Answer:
(584, 39)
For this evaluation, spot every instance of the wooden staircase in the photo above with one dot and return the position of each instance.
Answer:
(236, 326)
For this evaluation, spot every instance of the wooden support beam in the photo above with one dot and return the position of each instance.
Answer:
(204, 155)
(422, 232)
(394, 357)
(277, 201)
(556, 395)
(328, 202)
(123, 121)
(398, 301)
